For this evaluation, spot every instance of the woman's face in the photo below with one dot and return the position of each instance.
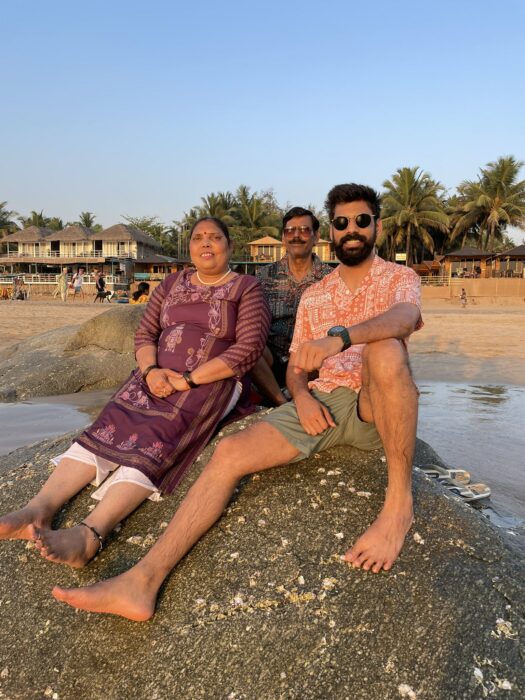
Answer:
(209, 249)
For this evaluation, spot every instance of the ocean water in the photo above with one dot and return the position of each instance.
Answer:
(480, 428)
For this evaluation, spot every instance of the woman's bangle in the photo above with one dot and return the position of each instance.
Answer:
(189, 380)
(148, 370)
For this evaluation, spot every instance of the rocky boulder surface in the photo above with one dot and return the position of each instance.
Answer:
(263, 607)
(96, 355)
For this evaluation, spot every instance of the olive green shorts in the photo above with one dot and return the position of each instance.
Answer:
(349, 430)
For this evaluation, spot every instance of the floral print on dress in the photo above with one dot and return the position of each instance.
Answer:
(174, 338)
(154, 451)
(195, 357)
(130, 443)
(135, 395)
(105, 435)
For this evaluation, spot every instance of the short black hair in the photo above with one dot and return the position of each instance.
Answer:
(342, 194)
(216, 221)
(300, 211)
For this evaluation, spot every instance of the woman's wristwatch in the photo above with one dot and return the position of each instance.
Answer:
(189, 380)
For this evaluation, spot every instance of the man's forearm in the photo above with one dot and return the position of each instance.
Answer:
(398, 322)
(296, 383)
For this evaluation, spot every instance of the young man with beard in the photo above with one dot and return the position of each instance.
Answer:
(283, 284)
(352, 326)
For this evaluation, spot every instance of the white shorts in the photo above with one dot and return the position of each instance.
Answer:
(120, 473)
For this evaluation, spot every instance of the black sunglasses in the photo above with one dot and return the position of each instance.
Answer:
(340, 223)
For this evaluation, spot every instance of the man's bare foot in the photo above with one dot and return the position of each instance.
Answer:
(379, 546)
(20, 524)
(128, 595)
(75, 546)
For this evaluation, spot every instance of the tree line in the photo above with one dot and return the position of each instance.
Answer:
(419, 218)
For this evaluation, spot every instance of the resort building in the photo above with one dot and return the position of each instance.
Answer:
(269, 249)
(124, 253)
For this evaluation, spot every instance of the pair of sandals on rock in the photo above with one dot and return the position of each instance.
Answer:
(457, 481)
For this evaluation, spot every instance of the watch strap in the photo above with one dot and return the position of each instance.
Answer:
(189, 380)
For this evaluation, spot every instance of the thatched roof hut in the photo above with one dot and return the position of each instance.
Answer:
(75, 232)
(31, 234)
(123, 232)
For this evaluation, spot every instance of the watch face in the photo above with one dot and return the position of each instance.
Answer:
(336, 329)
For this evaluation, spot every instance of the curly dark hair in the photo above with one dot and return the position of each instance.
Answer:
(216, 221)
(342, 194)
(300, 211)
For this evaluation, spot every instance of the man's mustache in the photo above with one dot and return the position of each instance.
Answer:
(352, 237)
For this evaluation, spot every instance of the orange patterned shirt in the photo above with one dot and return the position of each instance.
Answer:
(329, 303)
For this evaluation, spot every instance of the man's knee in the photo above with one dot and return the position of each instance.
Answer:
(386, 360)
(229, 458)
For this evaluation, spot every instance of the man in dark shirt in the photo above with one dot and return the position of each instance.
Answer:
(283, 283)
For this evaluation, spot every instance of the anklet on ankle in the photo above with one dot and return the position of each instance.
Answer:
(97, 534)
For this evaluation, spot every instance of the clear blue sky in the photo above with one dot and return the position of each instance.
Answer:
(141, 108)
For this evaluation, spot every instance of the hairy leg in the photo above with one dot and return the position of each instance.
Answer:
(389, 398)
(133, 594)
(67, 479)
(77, 545)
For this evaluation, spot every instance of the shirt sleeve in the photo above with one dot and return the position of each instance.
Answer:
(301, 331)
(149, 328)
(251, 331)
(407, 288)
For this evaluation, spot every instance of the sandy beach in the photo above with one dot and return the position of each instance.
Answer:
(477, 344)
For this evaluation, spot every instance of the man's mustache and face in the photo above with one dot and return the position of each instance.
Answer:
(351, 255)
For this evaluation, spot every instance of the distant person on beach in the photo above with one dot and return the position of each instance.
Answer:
(141, 296)
(62, 285)
(283, 283)
(100, 286)
(77, 282)
(352, 326)
(202, 331)
(463, 298)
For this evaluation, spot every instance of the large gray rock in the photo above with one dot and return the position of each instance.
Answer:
(263, 608)
(96, 355)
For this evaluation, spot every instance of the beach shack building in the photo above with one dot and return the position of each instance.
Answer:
(269, 250)
(467, 263)
(120, 251)
(430, 268)
(510, 263)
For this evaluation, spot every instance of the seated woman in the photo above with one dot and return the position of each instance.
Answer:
(202, 331)
(141, 296)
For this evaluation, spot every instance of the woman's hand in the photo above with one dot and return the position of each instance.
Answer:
(163, 382)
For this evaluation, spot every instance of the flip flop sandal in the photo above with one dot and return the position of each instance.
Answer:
(472, 492)
(440, 473)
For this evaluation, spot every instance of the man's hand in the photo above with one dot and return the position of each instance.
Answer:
(313, 415)
(311, 354)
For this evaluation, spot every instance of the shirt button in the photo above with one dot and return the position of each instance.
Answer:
(347, 291)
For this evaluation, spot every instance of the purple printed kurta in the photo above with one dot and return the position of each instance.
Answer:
(189, 325)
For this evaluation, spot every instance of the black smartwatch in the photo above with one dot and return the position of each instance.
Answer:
(341, 332)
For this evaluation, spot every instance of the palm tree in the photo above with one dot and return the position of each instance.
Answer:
(486, 206)
(251, 213)
(7, 220)
(413, 210)
(35, 219)
(87, 219)
(220, 205)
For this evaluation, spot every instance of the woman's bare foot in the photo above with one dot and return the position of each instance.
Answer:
(128, 595)
(20, 524)
(379, 546)
(75, 546)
